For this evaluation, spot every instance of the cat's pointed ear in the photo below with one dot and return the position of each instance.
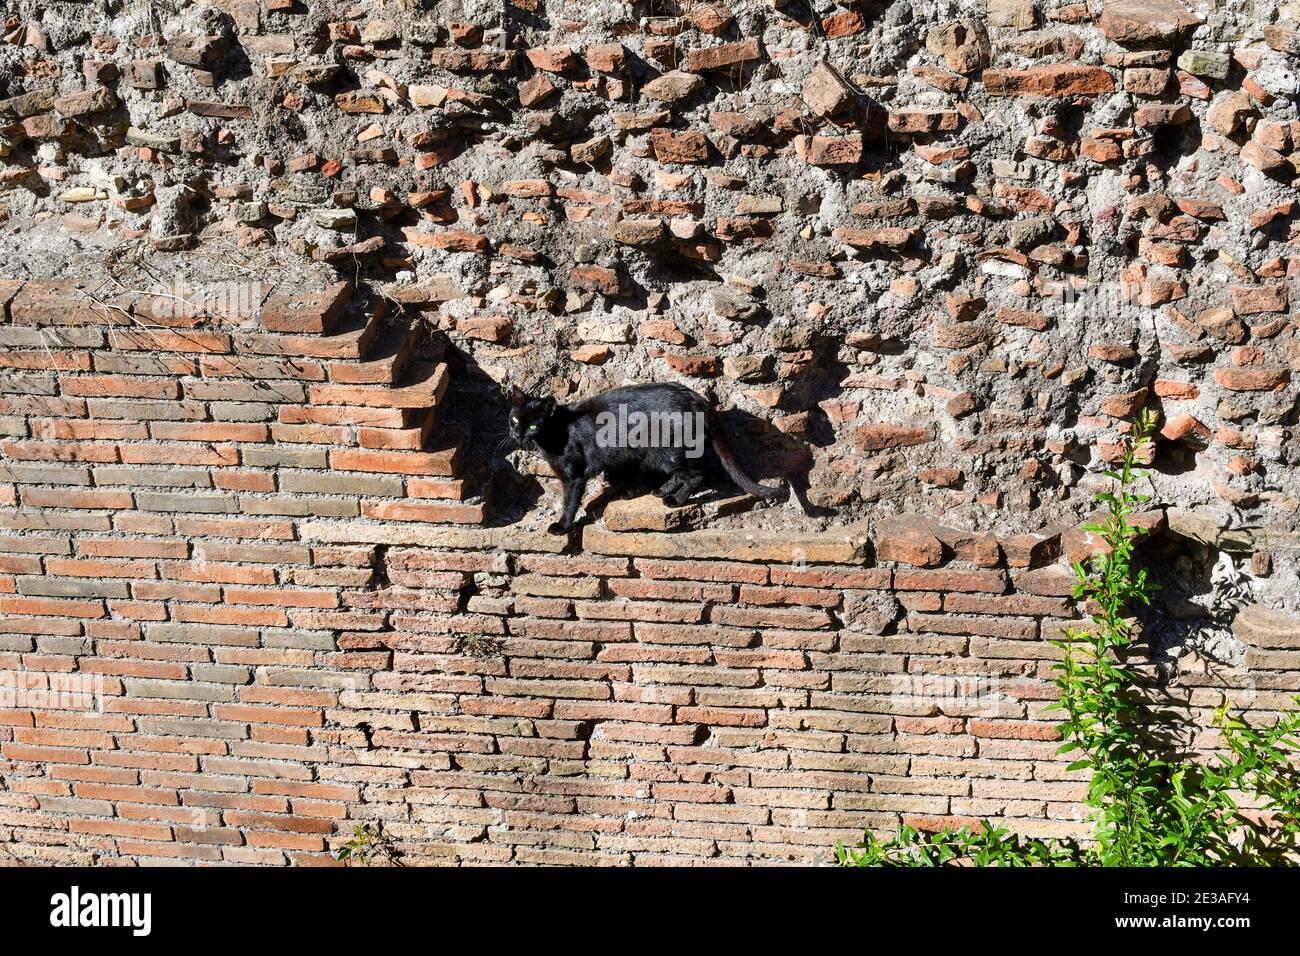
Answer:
(548, 404)
(517, 397)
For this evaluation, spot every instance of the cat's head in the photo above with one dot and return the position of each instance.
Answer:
(527, 416)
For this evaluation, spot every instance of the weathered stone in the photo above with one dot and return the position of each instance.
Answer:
(748, 368)
(889, 237)
(908, 539)
(606, 57)
(723, 56)
(759, 205)
(672, 87)
(144, 74)
(1015, 14)
(963, 44)
(1283, 39)
(1160, 114)
(595, 279)
(1265, 159)
(82, 194)
(429, 291)
(961, 335)
(1229, 111)
(1223, 324)
(1205, 63)
(1260, 626)
(86, 102)
(315, 74)
(334, 218)
(28, 104)
(1253, 299)
(824, 91)
(649, 513)
(637, 232)
(1146, 81)
(379, 31)
(535, 90)
(1141, 22)
(923, 121)
(1054, 80)
(360, 101)
(878, 437)
(829, 150)
(472, 61)
(962, 404)
(671, 147)
(552, 59)
(1023, 318)
(197, 50)
(427, 95)
(841, 546)
(589, 151)
(1252, 379)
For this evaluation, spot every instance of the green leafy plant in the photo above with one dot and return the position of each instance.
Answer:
(367, 847)
(1150, 802)
(989, 846)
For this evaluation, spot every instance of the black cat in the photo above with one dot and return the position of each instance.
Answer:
(659, 430)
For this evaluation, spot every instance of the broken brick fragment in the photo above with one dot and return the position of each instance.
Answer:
(311, 312)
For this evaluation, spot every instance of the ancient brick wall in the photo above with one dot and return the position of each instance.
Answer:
(266, 267)
(244, 606)
(936, 252)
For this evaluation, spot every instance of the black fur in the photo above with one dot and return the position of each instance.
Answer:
(567, 437)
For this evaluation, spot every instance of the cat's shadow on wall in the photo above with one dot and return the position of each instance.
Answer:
(477, 410)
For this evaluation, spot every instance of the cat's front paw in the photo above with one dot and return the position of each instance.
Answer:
(557, 527)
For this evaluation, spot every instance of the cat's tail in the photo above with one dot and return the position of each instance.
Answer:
(737, 474)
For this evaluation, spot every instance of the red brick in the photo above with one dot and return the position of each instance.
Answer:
(119, 386)
(771, 617)
(393, 462)
(1252, 379)
(908, 539)
(51, 607)
(994, 582)
(68, 498)
(306, 312)
(1058, 79)
(878, 437)
(722, 56)
(420, 511)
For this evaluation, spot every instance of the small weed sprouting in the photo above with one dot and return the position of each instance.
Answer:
(480, 645)
(369, 846)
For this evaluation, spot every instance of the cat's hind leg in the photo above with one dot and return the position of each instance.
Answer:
(669, 487)
(687, 482)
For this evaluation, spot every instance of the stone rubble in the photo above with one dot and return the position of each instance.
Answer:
(934, 253)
